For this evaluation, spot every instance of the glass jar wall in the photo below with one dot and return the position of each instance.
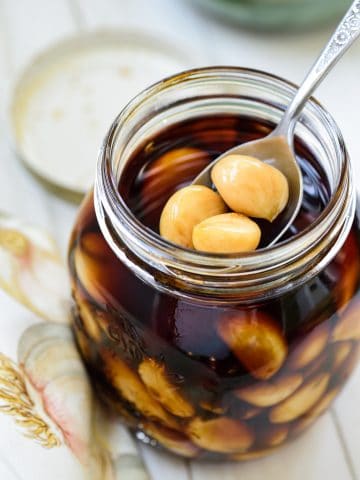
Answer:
(215, 356)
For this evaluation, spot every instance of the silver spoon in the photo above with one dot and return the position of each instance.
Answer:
(278, 147)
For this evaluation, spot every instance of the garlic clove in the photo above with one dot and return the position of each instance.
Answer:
(256, 340)
(158, 383)
(301, 401)
(267, 394)
(185, 209)
(226, 233)
(251, 186)
(223, 435)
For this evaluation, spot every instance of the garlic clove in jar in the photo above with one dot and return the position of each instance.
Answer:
(301, 401)
(173, 440)
(309, 348)
(130, 387)
(158, 383)
(256, 340)
(266, 394)
(223, 434)
(348, 326)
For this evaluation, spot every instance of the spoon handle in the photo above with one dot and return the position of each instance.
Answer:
(344, 36)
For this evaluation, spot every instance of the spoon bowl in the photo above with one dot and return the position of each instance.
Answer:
(276, 151)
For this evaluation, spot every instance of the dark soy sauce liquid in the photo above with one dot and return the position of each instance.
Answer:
(121, 321)
(150, 178)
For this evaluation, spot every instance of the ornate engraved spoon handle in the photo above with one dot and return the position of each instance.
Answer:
(344, 36)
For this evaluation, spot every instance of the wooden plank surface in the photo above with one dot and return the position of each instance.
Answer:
(330, 449)
(347, 416)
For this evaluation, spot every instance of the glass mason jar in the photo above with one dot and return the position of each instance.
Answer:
(277, 14)
(219, 356)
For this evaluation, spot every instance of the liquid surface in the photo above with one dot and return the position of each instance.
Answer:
(149, 179)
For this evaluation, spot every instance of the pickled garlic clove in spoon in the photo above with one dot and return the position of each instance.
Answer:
(275, 152)
(250, 186)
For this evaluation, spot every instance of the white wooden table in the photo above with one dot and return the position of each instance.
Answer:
(331, 449)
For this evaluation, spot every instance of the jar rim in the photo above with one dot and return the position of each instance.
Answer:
(202, 263)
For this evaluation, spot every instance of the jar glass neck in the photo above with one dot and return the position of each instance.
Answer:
(207, 92)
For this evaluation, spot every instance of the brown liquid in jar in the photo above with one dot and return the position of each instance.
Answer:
(182, 371)
(149, 180)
